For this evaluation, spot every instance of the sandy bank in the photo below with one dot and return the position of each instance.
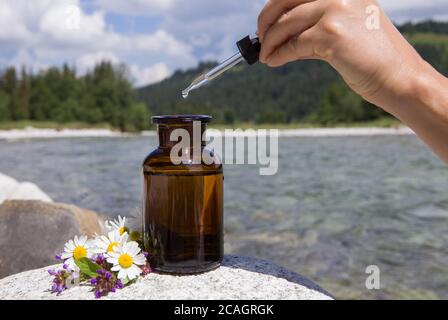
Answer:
(341, 132)
(33, 133)
(30, 133)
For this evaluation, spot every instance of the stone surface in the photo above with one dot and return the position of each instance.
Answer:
(11, 189)
(33, 232)
(237, 278)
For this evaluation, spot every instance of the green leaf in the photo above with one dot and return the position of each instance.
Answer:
(87, 267)
(127, 282)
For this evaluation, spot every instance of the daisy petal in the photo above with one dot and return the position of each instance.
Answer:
(113, 254)
(139, 259)
(70, 245)
(82, 240)
(122, 274)
(66, 255)
(134, 272)
(115, 268)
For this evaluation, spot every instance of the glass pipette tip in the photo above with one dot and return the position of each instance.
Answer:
(213, 73)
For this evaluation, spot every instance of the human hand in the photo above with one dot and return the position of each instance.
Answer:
(354, 36)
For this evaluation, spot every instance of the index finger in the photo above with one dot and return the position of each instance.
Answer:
(272, 11)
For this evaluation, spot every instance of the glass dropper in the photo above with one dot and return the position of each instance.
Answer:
(249, 50)
(212, 74)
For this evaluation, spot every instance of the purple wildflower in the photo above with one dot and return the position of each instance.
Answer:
(119, 284)
(105, 282)
(61, 280)
(58, 257)
(146, 269)
(52, 272)
(100, 259)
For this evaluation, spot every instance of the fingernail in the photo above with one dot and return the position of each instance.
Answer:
(266, 60)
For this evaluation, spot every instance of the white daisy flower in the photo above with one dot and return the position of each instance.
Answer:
(125, 259)
(104, 228)
(106, 244)
(118, 224)
(76, 249)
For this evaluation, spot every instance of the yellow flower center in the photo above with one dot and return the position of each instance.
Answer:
(125, 260)
(79, 252)
(111, 246)
(123, 230)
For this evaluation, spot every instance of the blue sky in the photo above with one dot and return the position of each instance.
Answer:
(153, 37)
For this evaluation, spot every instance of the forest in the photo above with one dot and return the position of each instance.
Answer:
(302, 92)
(104, 95)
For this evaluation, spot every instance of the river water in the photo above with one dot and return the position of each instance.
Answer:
(336, 205)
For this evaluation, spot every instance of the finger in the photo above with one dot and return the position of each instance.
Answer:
(289, 25)
(272, 11)
(300, 47)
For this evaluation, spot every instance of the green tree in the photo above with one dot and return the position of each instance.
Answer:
(229, 116)
(4, 107)
(9, 85)
(42, 99)
(137, 117)
(23, 94)
(340, 104)
(271, 116)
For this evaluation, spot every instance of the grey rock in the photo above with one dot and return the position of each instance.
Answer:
(11, 189)
(237, 278)
(33, 232)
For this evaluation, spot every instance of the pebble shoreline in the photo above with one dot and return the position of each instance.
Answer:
(33, 133)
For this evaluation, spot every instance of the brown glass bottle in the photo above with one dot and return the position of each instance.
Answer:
(183, 203)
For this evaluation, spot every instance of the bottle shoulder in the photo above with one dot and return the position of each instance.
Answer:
(159, 162)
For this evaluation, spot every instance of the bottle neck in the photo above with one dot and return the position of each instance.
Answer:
(172, 134)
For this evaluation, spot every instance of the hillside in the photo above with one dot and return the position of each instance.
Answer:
(298, 92)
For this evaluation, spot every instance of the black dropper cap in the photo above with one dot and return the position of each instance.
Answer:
(250, 49)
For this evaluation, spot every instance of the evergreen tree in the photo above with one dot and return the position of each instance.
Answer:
(340, 104)
(4, 107)
(22, 99)
(9, 85)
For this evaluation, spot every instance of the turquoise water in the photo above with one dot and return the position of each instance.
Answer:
(336, 205)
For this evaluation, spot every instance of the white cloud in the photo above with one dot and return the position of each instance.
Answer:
(47, 32)
(149, 75)
(414, 10)
(441, 17)
(25, 58)
(135, 7)
(411, 4)
(160, 41)
(139, 75)
(69, 27)
(10, 27)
